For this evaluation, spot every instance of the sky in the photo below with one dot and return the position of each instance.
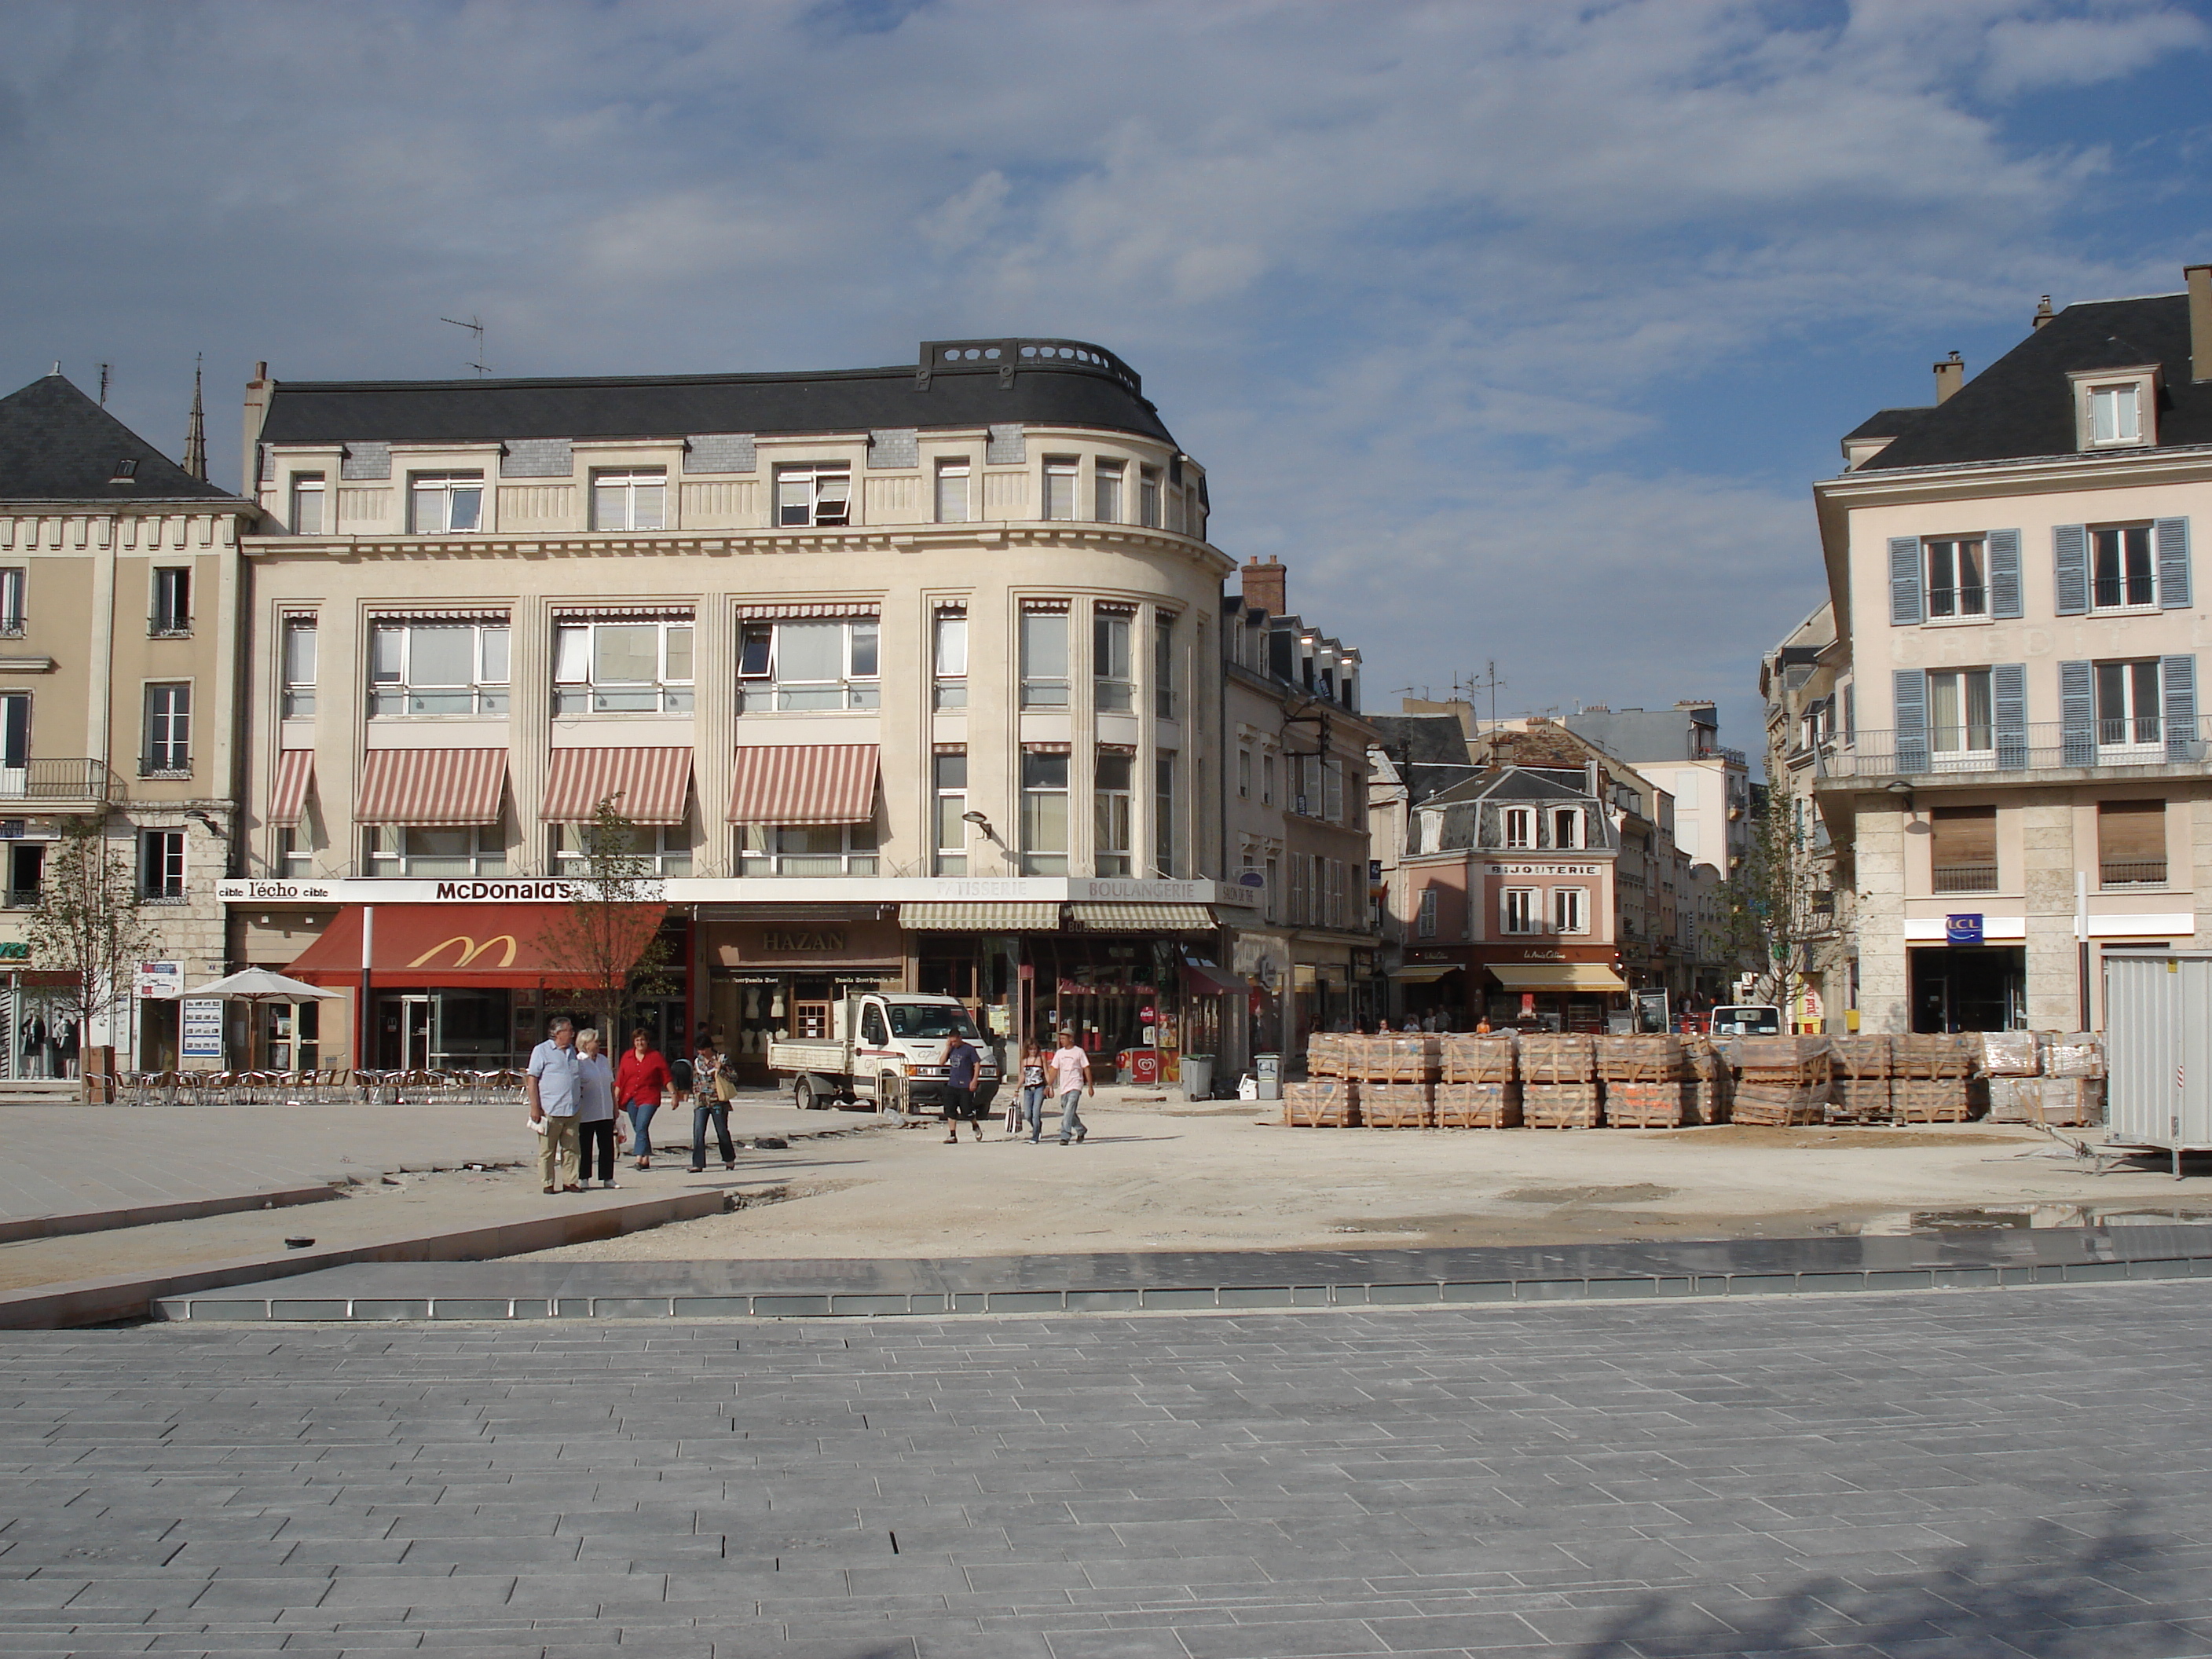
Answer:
(1518, 331)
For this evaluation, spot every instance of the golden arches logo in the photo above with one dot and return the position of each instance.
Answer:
(470, 950)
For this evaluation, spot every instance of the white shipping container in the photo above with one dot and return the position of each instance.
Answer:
(2158, 1050)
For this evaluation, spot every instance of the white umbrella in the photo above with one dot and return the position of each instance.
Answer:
(257, 985)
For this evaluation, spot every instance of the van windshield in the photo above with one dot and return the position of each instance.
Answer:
(1746, 1021)
(918, 1021)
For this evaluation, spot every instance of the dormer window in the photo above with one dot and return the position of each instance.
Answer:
(126, 472)
(2115, 414)
(2116, 409)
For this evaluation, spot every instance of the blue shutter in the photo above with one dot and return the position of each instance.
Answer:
(2069, 551)
(1903, 580)
(2003, 547)
(1911, 699)
(2077, 714)
(2172, 536)
(2177, 686)
(2009, 692)
(1850, 714)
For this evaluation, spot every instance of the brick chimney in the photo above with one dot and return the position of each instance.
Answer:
(2044, 313)
(1266, 586)
(1950, 375)
(2199, 278)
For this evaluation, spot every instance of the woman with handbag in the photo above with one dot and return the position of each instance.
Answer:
(714, 1085)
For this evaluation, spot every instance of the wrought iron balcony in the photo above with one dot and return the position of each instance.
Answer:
(55, 785)
(1941, 753)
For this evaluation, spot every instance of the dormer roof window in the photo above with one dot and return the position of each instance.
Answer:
(2116, 407)
(126, 470)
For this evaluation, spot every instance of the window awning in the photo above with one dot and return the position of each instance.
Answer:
(489, 945)
(1423, 973)
(805, 783)
(1141, 918)
(288, 795)
(648, 785)
(1557, 976)
(431, 788)
(1207, 981)
(1013, 916)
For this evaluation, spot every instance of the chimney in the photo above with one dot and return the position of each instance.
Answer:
(2043, 312)
(1950, 375)
(1265, 587)
(2199, 278)
(257, 412)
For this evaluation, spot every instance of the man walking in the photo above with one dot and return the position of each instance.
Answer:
(552, 1085)
(1071, 1071)
(960, 1062)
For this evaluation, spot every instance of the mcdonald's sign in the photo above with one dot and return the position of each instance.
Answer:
(467, 950)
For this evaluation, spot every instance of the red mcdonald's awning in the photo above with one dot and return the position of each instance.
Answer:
(288, 795)
(805, 783)
(649, 786)
(431, 788)
(461, 945)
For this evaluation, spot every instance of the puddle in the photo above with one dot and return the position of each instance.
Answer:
(2017, 1217)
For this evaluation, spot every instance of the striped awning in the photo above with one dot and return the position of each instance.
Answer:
(287, 796)
(1012, 916)
(431, 788)
(1141, 918)
(648, 785)
(805, 783)
(822, 610)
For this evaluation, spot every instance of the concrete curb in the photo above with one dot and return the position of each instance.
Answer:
(146, 1215)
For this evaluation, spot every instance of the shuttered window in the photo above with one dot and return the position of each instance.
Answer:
(2131, 843)
(1963, 849)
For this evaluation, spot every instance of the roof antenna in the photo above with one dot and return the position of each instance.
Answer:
(196, 429)
(475, 325)
(103, 385)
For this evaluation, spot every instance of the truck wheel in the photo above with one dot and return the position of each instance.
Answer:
(802, 1095)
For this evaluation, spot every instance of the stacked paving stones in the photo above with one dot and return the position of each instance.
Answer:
(1931, 1077)
(1782, 1081)
(1646, 1081)
(1862, 1079)
(1558, 1081)
(1479, 1087)
(2044, 1077)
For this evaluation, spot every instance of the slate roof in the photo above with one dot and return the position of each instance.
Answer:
(1512, 783)
(57, 445)
(1102, 394)
(1889, 423)
(1423, 740)
(2022, 405)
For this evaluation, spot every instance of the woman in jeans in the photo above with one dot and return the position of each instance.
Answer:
(1033, 1088)
(639, 1081)
(710, 1101)
(595, 1110)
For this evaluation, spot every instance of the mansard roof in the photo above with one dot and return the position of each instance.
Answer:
(57, 445)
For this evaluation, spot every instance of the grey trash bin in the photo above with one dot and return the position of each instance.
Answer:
(1268, 1072)
(1198, 1077)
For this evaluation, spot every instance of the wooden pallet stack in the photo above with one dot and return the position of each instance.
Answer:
(1321, 1102)
(1325, 1054)
(1646, 1081)
(1479, 1084)
(1931, 1077)
(1782, 1081)
(1862, 1079)
(1397, 1079)
(1711, 1084)
(2044, 1077)
(1558, 1081)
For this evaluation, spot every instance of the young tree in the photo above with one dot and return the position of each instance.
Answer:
(1780, 900)
(605, 948)
(88, 926)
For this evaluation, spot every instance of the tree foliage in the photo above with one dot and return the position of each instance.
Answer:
(89, 926)
(604, 948)
(1780, 907)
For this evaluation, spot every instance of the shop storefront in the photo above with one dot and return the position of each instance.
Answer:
(776, 974)
(1554, 994)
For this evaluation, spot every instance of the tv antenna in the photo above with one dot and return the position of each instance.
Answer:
(1489, 680)
(103, 385)
(475, 325)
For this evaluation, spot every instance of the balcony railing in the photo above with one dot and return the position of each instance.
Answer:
(2040, 746)
(56, 781)
(2131, 872)
(1971, 877)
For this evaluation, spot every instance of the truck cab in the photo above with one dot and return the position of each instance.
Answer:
(884, 1048)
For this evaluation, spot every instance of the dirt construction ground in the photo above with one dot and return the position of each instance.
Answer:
(1162, 1175)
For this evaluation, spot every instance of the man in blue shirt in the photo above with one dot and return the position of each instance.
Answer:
(960, 1063)
(553, 1085)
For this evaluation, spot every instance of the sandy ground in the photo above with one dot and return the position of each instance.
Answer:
(1173, 1176)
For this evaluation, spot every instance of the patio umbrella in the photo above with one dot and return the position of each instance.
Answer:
(258, 984)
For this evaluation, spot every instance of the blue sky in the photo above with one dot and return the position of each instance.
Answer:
(1518, 330)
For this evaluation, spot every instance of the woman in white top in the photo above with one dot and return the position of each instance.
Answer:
(595, 1110)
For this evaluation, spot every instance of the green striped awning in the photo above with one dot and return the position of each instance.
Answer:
(1142, 918)
(1010, 916)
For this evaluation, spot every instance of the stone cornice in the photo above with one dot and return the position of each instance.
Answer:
(2035, 475)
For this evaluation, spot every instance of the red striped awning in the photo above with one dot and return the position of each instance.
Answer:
(287, 796)
(808, 783)
(431, 788)
(859, 610)
(648, 785)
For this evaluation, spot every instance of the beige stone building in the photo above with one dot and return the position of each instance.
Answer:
(2017, 767)
(118, 591)
(909, 675)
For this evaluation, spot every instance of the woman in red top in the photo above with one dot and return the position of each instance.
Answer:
(638, 1085)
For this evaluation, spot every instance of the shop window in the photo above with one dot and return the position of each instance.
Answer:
(391, 850)
(949, 802)
(948, 657)
(438, 668)
(623, 667)
(1044, 660)
(1111, 689)
(1044, 814)
(660, 850)
(807, 849)
(1111, 793)
(2131, 843)
(795, 667)
(1962, 849)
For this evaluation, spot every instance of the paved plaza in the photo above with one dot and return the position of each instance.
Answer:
(1952, 1474)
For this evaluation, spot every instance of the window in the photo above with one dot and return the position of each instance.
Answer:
(295, 858)
(1106, 491)
(1518, 907)
(161, 867)
(1567, 826)
(1425, 916)
(477, 851)
(26, 869)
(1570, 909)
(2122, 575)
(438, 668)
(807, 849)
(1060, 475)
(308, 504)
(1110, 687)
(445, 503)
(1148, 496)
(1332, 791)
(950, 784)
(297, 667)
(622, 667)
(2128, 704)
(1958, 579)
(952, 491)
(950, 657)
(13, 582)
(1519, 826)
(168, 746)
(662, 849)
(2115, 414)
(795, 667)
(1164, 659)
(1962, 849)
(14, 745)
(1044, 814)
(2131, 843)
(813, 495)
(629, 501)
(1244, 775)
(1960, 719)
(1164, 814)
(1267, 780)
(172, 616)
(1044, 660)
(1111, 787)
